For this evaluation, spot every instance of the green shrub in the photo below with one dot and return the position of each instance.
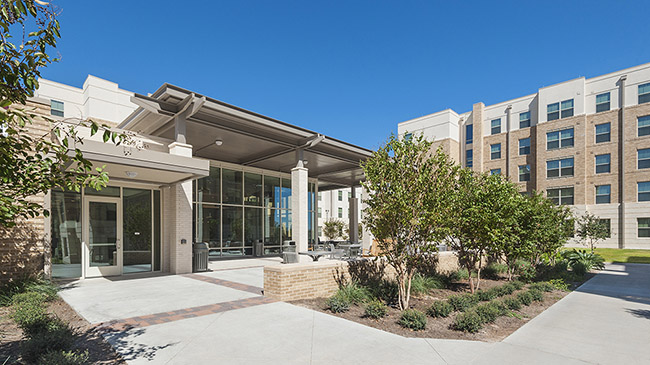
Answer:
(512, 303)
(559, 284)
(555, 271)
(468, 321)
(525, 298)
(354, 293)
(543, 286)
(462, 302)
(525, 271)
(487, 295)
(386, 290)
(413, 319)
(338, 304)
(459, 275)
(30, 313)
(488, 312)
(517, 284)
(494, 270)
(33, 284)
(582, 261)
(376, 309)
(507, 289)
(57, 336)
(64, 358)
(579, 268)
(424, 284)
(537, 295)
(440, 308)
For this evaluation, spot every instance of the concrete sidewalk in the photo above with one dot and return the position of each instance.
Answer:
(606, 321)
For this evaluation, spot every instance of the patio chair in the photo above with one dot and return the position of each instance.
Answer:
(337, 254)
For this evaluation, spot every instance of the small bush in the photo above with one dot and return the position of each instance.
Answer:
(33, 284)
(525, 270)
(512, 303)
(494, 270)
(30, 313)
(469, 321)
(424, 284)
(582, 261)
(507, 289)
(354, 293)
(525, 298)
(440, 308)
(517, 284)
(487, 295)
(56, 337)
(64, 358)
(579, 269)
(413, 319)
(543, 286)
(462, 302)
(460, 275)
(559, 284)
(376, 309)
(338, 304)
(536, 295)
(488, 312)
(555, 271)
(386, 290)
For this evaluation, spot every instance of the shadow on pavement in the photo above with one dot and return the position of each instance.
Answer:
(625, 281)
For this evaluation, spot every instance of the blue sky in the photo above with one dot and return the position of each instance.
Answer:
(349, 69)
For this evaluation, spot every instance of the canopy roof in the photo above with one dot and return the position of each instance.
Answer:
(247, 138)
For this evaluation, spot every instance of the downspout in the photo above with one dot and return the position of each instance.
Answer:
(621, 164)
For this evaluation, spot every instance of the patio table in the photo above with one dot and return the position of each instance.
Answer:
(315, 255)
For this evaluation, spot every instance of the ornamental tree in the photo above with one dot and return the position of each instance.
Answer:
(333, 229)
(33, 163)
(410, 193)
(590, 229)
(550, 229)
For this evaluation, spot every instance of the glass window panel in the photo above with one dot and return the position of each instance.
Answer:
(208, 188)
(272, 228)
(602, 98)
(311, 199)
(65, 223)
(469, 160)
(136, 230)
(156, 231)
(231, 182)
(524, 120)
(567, 104)
(272, 192)
(643, 157)
(644, 227)
(524, 146)
(56, 108)
(102, 239)
(232, 225)
(112, 191)
(208, 227)
(252, 189)
(252, 226)
(286, 225)
(495, 172)
(550, 108)
(286, 193)
(469, 133)
(644, 125)
(496, 126)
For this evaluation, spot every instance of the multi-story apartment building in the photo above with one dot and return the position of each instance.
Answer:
(335, 204)
(584, 142)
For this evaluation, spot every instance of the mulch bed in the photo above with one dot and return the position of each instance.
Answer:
(441, 327)
(88, 337)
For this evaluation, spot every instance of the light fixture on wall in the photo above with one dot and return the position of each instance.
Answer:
(218, 142)
(131, 174)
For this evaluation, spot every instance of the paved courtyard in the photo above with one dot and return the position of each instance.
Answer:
(221, 317)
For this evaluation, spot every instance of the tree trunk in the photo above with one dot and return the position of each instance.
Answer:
(471, 281)
(478, 273)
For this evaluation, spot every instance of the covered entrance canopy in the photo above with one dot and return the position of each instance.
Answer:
(223, 132)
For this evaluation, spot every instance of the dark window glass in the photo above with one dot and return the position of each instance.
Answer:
(603, 163)
(602, 102)
(524, 120)
(603, 194)
(603, 132)
(524, 146)
(469, 133)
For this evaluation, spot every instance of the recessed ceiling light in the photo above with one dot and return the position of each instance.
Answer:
(218, 142)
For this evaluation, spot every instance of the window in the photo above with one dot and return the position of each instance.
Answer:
(408, 136)
(644, 93)
(349, 195)
(643, 158)
(644, 227)
(524, 146)
(469, 158)
(602, 102)
(524, 119)
(319, 213)
(495, 172)
(559, 168)
(644, 126)
(320, 196)
(496, 126)
(560, 196)
(56, 108)
(495, 151)
(603, 132)
(469, 133)
(559, 139)
(603, 194)
(340, 212)
(603, 163)
(566, 108)
(524, 172)
(340, 195)
(553, 111)
(608, 225)
(643, 189)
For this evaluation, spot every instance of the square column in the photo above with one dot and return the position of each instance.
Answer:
(366, 241)
(353, 223)
(299, 213)
(179, 209)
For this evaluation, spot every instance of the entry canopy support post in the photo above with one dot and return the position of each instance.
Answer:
(354, 217)
(299, 213)
(366, 241)
(180, 231)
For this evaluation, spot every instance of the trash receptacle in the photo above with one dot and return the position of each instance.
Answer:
(289, 254)
(259, 248)
(200, 257)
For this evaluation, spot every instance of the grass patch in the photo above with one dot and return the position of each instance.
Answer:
(624, 255)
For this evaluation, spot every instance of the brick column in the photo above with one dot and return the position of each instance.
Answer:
(180, 211)
(477, 144)
(299, 213)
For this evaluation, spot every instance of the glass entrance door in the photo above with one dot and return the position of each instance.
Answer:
(102, 231)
